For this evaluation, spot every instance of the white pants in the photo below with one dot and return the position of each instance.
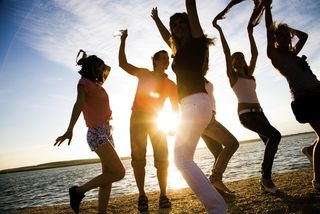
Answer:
(195, 116)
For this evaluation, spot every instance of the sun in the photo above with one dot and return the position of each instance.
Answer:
(167, 119)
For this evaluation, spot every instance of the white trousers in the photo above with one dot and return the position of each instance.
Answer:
(195, 116)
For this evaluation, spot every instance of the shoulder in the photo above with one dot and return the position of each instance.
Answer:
(169, 81)
(141, 72)
(85, 82)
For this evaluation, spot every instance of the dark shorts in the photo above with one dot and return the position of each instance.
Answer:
(306, 108)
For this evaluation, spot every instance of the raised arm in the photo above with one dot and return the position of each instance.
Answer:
(165, 33)
(76, 111)
(230, 73)
(254, 50)
(195, 26)
(123, 63)
(269, 23)
(302, 36)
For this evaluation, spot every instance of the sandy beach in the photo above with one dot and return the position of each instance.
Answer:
(248, 198)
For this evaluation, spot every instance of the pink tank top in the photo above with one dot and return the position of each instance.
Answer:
(96, 109)
(245, 90)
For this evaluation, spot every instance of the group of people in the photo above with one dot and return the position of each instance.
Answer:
(192, 98)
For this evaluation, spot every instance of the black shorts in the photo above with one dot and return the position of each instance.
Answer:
(306, 108)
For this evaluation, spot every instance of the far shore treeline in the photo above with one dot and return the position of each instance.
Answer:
(59, 164)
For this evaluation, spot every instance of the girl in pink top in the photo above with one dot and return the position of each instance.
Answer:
(93, 102)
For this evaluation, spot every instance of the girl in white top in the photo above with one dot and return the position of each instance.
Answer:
(249, 110)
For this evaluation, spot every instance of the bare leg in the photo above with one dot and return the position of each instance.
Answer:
(139, 174)
(316, 154)
(216, 135)
(103, 198)
(162, 175)
(112, 170)
(308, 150)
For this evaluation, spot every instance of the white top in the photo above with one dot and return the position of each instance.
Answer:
(245, 90)
(209, 89)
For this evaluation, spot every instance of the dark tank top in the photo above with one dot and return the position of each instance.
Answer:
(188, 64)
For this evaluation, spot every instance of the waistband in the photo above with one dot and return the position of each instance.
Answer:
(250, 110)
(194, 98)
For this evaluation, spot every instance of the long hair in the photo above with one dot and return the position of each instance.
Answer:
(278, 27)
(89, 66)
(246, 68)
(175, 42)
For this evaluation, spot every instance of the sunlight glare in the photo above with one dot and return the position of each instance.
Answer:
(167, 119)
(175, 179)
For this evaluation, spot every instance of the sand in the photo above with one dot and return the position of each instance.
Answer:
(248, 198)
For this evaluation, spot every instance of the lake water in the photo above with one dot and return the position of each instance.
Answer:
(50, 186)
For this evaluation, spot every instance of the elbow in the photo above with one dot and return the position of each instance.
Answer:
(122, 64)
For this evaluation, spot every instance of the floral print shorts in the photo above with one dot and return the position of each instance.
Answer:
(99, 135)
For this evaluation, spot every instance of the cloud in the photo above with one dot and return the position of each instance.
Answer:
(58, 29)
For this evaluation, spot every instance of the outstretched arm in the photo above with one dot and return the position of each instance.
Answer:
(254, 50)
(123, 63)
(230, 73)
(77, 109)
(195, 26)
(162, 29)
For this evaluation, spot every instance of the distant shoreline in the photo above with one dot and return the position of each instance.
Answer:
(68, 163)
(248, 199)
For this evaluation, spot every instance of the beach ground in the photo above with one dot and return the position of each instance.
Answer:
(301, 198)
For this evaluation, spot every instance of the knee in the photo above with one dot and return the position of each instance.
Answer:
(276, 137)
(138, 163)
(117, 174)
(232, 145)
(181, 161)
(235, 145)
(161, 165)
(120, 174)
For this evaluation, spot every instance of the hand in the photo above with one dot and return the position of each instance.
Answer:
(60, 139)
(215, 24)
(218, 17)
(124, 34)
(154, 13)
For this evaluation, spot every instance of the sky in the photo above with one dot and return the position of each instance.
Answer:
(39, 41)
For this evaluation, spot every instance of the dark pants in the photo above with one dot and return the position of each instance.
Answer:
(257, 122)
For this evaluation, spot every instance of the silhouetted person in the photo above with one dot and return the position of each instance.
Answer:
(250, 112)
(152, 90)
(304, 85)
(93, 102)
(190, 57)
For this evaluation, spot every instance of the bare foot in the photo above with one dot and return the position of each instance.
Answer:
(220, 186)
(268, 186)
